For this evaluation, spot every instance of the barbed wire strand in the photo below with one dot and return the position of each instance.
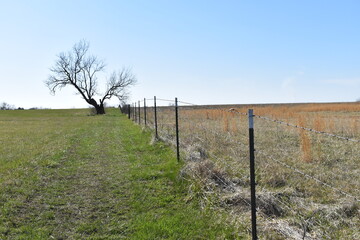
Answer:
(334, 174)
(308, 176)
(243, 176)
(322, 173)
(296, 213)
(205, 107)
(226, 184)
(307, 129)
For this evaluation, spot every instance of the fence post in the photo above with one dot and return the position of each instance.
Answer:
(177, 130)
(139, 112)
(252, 173)
(145, 111)
(135, 108)
(155, 115)
(132, 111)
(129, 111)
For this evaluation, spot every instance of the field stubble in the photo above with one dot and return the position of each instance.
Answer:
(307, 182)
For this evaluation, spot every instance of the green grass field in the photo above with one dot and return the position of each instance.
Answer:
(67, 175)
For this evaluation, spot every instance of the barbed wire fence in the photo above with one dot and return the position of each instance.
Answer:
(290, 200)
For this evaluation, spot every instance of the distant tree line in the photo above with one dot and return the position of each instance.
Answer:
(7, 106)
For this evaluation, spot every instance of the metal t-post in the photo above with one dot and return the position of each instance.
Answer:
(252, 173)
(155, 120)
(134, 112)
(177, 130)
(145, 111)
(139, 113)
(129, 111)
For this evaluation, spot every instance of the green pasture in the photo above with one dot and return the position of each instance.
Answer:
(65, 174)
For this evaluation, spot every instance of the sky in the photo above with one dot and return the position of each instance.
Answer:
(200, 51)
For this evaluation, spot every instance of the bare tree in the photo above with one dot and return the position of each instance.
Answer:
(78, 69)
(6, 106)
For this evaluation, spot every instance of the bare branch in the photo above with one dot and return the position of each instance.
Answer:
(118, 83)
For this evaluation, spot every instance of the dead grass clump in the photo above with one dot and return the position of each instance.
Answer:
(226, 123)
(193, 156)
(239, 199)
(153, 140)
(219, 177)
(196, 153)
(305, 142)
(269, 205)
(306, 147)
(276, 181)
(349, 210)
(207, 172)
(244, 182)
(353, 126)
(207, 115)
(234, 127)
(319, 124)
(330, 125)
(200, 169)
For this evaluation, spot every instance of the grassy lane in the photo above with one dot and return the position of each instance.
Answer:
(65, 175)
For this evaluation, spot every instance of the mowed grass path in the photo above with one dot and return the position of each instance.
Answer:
(67, 175)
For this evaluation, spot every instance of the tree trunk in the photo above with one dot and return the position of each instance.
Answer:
(100, 109)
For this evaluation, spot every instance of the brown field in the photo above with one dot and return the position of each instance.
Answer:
(307, 182)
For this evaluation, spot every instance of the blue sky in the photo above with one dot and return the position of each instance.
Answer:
(205, 52)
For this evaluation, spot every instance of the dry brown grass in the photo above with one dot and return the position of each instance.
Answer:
(226, 122)
(305, 142)
(220, 136)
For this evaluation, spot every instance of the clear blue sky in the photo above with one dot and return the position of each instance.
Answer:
(199, 51)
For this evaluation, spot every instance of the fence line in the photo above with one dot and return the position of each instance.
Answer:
(229, 184)
(276, 121)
